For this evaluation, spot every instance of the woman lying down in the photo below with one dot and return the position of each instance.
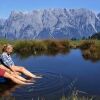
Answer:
(9, 70)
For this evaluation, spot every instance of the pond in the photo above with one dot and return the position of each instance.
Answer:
(63, 74)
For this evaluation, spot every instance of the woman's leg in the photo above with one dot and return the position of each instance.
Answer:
(15, 80)
(20, 78)
(8, 70)
(24, 71)
(5, 68)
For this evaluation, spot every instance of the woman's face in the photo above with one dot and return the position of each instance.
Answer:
(9, 49)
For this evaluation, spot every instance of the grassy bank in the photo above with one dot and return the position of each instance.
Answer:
(90, 48)
(51, 44)
(36, 45)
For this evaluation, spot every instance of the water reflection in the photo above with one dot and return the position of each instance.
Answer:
(87, 54)
(6, 94)
(7, 88)
(93, 55)
(51, 87)
(51, 52)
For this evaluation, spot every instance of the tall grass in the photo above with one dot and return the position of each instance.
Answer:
(90, 48)
(30, 46)
(77, 95)
(86, 44)
(39, 47)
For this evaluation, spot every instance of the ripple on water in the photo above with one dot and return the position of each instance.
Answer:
(50, 83)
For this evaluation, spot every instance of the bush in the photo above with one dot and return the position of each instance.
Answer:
(86, 44)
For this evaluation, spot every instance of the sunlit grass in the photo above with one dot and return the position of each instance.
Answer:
(40, 45)
(76, 95)
(90, 48)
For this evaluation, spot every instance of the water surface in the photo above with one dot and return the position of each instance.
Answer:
(62, 74)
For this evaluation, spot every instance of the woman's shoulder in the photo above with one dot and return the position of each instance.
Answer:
(4, 54)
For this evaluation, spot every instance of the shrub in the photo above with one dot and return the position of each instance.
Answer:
(86, 44)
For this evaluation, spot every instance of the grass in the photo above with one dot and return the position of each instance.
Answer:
(26, 48)
(90, 48)
(78, 95)
(40, 45)
(50, 44)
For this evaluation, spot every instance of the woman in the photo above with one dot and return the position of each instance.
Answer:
(6, 73)
(8, 62)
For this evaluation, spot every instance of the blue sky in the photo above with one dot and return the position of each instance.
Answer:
(6, 6)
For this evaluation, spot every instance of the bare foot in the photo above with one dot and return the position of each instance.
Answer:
(37, 76)
(31, 80)
(18, 73)
(29, 83)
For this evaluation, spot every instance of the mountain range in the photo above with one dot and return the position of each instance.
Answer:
(54, 23)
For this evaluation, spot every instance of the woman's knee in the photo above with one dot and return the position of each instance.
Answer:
(1, 66)
(22, 68)
(7, 75)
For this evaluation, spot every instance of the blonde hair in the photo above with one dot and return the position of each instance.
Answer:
(5, 46)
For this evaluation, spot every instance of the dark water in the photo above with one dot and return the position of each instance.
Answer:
(62, 74)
